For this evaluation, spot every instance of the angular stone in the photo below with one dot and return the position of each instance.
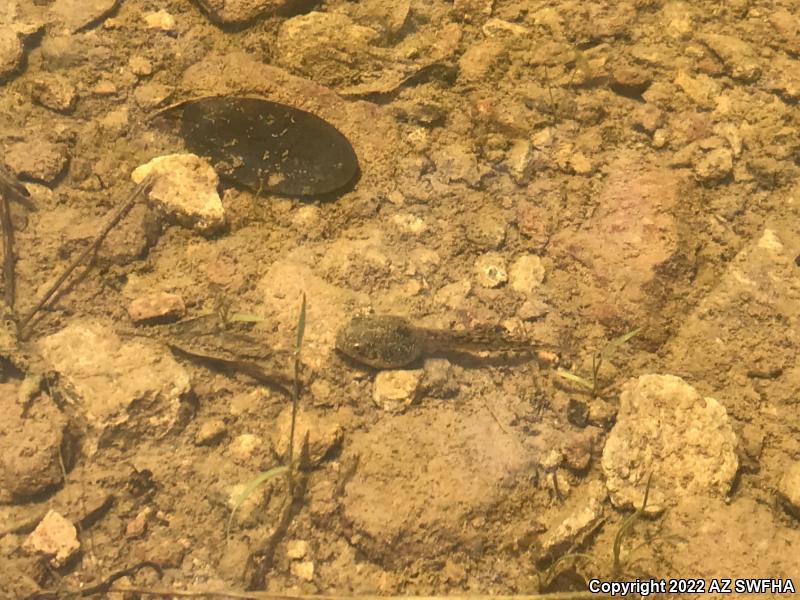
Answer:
(394, 391)
(667, 429)
(130, 386)
(157, 308)
(739, 57)
(37, 159)
(55, 92)
(527, 273)
(31, 444)
(54, 537)
(186, 187)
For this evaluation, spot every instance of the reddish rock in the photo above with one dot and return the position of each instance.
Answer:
(160, 307)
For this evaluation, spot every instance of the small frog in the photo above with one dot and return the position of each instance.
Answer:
(392, 342)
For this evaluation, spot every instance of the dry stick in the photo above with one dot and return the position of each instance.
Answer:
(123, 210)
(8, 251)
(271, 596)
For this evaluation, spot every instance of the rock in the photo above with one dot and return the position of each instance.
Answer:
(457, 163)
(104, 87)
(54, 537)
(54, 92)
(296, 549)
(470, 10)
(479, 58)
(161, 307)
(151, 95)
(11, 52)
(137, 526)
(740, 58)
(303, 570)
(160, 20)
(228, 12)
(243, 447)
(648, 118)
(131, 239)
(186, 188)
(573, 529)
(526, 273)
(115, 122)
(485, 229)
(519, 161)
(714, 166)
(702, 90)
(82, 14)
(313, 45)
(630, 80)
(665, 428)
(577, 449)
(31, 442)
(635, 204)
(394, 391)
(37, 159)
(140, 66)
(125, 388)
(210, 432)
(397, 512)
(324, 434)
(534, 222)
(789, 488)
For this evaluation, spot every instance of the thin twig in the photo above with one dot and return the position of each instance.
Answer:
(9, 188)
(100, 588)
(123, 210)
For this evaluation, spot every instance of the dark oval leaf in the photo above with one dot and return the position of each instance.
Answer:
(267, 146)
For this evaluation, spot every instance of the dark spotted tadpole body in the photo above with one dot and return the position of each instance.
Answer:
(267, 146)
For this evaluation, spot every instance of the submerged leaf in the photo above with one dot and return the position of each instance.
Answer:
(267, 146)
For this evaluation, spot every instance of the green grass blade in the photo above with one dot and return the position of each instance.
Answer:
(614, 344)
(301, 324)
(585, 383)
(251, 487)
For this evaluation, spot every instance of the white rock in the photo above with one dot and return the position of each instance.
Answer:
(186, 187)
(296, 549)
(244, 446)
(394, 391)
(303, 570)
(665, 428)
(526, 273)
(490, 270)
(54, 537)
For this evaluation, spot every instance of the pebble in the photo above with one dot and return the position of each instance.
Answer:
(739, 57)
(490, 270)
(140, 66)
(151, 95)
(715, 165)
(210, 432)
(243, 447)
(11, 52)
(186, 188)
(296, 549)
(55, 92)
(137, 526)
(519, 161)
(160, 20)
(323, 433)
(394, 391)
(526, 274)
(54, 537)
(664, 426)
(161, 307)
(30, 444)
(37, 159)
(439, 380)
(104, 87)
(534, 222)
